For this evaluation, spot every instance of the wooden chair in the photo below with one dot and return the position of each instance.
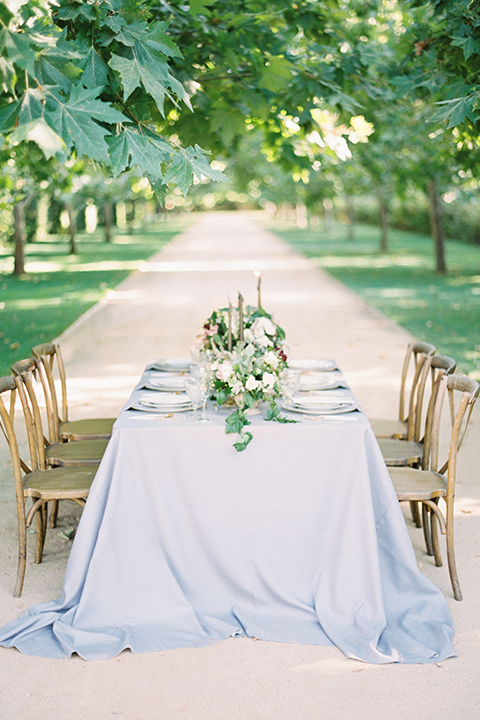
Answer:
(49, 361)
(65, 454)
(415, 449)
(404, 427)
(34, 480)
(428, 486)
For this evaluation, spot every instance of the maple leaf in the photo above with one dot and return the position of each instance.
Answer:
(131, 148)
(143, 63)
(74, 119)
(95, 71)
(187, 164)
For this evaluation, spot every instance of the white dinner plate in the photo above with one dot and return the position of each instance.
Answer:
(166, 384)
(321, 409)
(320, 398)
(163, 409)
(313, 364)
(178, 364)
(160, 400)
(317, 381)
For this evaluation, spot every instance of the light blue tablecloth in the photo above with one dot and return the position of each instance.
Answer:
(184, 542)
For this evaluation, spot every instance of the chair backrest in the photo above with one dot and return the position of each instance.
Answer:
(8, 390)
(462, 394)
(434, 366)
(24, 373)
(49, 362)
(418, 351)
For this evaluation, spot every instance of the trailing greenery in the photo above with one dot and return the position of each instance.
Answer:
(403, 284)
(59, 287)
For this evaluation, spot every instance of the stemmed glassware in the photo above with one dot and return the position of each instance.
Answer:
(197, 387)
(193, 390)
(290, 381)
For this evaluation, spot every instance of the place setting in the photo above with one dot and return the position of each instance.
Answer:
(311, 380)
(319, 404)
(169, 383)
(164, 402)
(174, 364)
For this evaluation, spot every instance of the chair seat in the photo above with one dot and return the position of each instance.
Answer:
(411, 484)
(67, 483)
(88, 429)
(89, 452)
(383, 428)
(400, 452)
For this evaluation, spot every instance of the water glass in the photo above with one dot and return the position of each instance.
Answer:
(290, 382)
(193, 388)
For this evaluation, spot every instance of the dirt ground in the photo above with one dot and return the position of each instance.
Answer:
(157, 312)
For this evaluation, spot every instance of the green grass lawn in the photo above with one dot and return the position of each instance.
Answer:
(59, 287)
(402, 283)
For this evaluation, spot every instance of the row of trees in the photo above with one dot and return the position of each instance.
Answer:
(380, 95)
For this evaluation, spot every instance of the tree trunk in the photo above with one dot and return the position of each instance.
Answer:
(383, 223)
(108, 215)
(351, 218)
(19, 237)
(72, 228)
(436, 225)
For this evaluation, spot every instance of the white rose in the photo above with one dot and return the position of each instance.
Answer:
(268, 380)
(251, 383)
(248, 335)
(224, 371)
(271, 359)
(263, 326)
(264, 342)
(257, 328)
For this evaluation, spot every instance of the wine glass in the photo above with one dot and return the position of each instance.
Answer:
(197, 387)
(193, 388)
(205, 392)
(290, 381)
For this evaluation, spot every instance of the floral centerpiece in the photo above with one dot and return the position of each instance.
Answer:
(247, 354)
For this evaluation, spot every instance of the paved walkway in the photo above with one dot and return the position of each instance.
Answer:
(157, 312)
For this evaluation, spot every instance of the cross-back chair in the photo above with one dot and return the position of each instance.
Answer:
(33, 480)
(427, 486)
(56, 453)
(404, 426)
(415, 450)
(50, 365)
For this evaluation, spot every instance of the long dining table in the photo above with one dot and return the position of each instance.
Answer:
(184, 542)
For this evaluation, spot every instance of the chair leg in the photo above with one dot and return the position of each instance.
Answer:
(416, 513)
(452, 566)
(22, 559)
(41, 520)
(436, 546)
(427, 528)
(54, 514)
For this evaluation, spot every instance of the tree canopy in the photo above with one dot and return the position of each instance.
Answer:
(91, 79)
